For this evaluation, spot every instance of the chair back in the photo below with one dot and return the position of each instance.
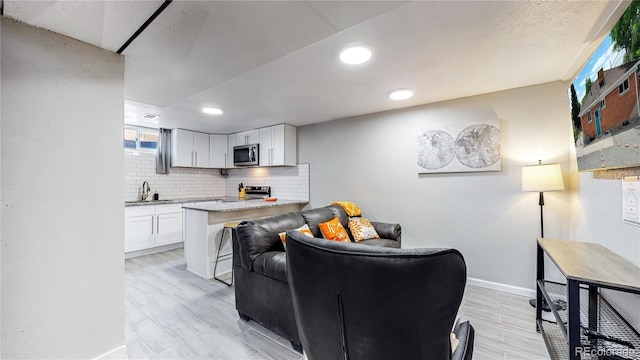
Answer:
(355, 301)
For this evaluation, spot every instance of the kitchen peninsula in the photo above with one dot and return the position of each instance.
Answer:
(204, 224)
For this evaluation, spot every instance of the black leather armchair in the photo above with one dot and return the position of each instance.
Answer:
(364, 302)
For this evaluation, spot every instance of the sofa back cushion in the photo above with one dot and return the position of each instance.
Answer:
(314, 217)
(259, 236)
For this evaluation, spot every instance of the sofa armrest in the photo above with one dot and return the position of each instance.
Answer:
(465, 334)
(388, 231)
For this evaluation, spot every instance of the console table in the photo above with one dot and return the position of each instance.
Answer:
(587, 327)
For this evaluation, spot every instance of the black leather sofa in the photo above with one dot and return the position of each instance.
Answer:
(260, 266)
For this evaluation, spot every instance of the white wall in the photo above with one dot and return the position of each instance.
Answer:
(62, 197)
(371, 160)
(597, 217)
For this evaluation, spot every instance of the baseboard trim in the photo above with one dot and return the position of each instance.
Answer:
(119, 353)
(515, 290)
(154, 250)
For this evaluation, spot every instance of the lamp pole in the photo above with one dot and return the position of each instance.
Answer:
(541, 178)
(541, 203)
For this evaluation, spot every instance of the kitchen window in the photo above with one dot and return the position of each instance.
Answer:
(140, 139)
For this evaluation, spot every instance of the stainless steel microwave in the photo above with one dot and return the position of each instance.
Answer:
(246, 155)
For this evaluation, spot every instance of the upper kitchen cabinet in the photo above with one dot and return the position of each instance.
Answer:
(218, 151)
(189, 149)
(231, 142)
(278, 146)
(248, 137)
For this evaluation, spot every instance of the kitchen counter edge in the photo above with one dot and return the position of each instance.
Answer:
(243, 205)
(175, 201)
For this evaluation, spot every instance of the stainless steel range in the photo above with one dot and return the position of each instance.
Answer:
(257, 192)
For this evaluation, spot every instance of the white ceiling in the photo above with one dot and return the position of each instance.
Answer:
(270, 62)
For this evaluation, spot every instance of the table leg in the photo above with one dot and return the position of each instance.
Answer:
(539, 276)
(593, 312)
(573, 329)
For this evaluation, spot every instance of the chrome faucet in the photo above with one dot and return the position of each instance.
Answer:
(145, 193)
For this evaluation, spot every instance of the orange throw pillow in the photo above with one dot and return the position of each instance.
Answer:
(303, 229)
(361, 229)
(333, 230)
(350, 208)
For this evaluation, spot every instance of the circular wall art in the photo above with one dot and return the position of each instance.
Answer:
(435, 149)
(478, 146)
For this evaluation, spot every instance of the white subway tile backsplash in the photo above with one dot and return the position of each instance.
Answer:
(291, 183)
(180, 183)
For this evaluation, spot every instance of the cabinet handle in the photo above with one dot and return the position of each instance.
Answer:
(196, 162)
(192, 159)
(158, 224)
(152, 223)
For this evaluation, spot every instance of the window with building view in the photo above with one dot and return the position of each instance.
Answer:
(140, 139)
(612, 73)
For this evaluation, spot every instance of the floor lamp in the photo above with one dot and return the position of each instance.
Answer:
(542, 178)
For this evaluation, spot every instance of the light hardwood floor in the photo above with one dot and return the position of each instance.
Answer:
(174, 314)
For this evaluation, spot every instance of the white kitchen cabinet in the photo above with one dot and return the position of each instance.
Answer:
(278, 146)
(138, 233)
(189, 148)
(181, 147)
(168, 229)
(150, 226)
(248, 137)
(201, 149)
(231, 142)
(218, 151)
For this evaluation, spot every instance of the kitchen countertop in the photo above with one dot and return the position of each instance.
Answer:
(214, 206)
(180, 201)
(219, 203)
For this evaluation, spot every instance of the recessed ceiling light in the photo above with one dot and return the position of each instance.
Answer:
(355, 54)
(149, 116)
(400, 94)
(212, 111)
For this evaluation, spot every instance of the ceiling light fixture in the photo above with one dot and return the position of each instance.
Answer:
(149, 116)
(356, 53)
(212, 111)
(401, 94)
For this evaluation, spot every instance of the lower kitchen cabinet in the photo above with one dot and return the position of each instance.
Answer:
(138, 233)
(148, 227)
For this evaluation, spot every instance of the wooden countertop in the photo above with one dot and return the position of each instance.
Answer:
(592, 263)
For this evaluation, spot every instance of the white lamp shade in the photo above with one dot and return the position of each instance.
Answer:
(542, 178)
